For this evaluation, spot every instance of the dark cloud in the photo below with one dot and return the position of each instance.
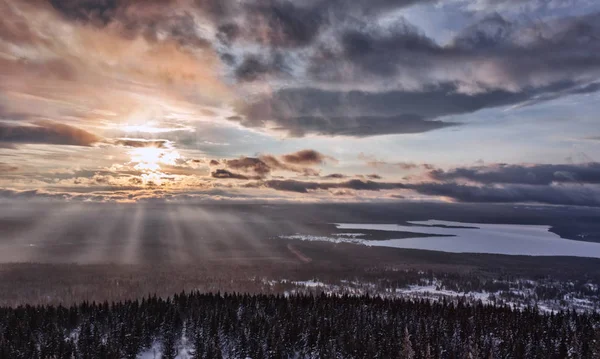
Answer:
(400, 105)
(287, 24)
(575, 195)
(521, 55)
(254, 67)
(363, 126)
(249, 164)
(225, 174)
(293, 185)
(280, 164)
(515, 66)
(305, 157)
(283, 23)
(306, 186)
(335, 176)
(381, 54)
(251, 69)
(374, 176)
(46, 132)
(359, 113)
(555, 195)
(540, 174)
(262, 166)
(214, 163)
(28, 194)
(228, 32)
(272, 23)
(488, 33)
(97, 11)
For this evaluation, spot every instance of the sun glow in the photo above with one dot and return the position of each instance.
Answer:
(146, 129)
(154, 127)
(150, 159)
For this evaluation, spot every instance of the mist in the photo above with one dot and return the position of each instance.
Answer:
(141, 233)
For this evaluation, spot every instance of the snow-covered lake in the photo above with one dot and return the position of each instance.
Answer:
(483, 238)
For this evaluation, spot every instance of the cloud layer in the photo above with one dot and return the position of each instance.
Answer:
(45, 132)
(311, 100)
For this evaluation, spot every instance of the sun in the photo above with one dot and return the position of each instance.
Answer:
(150, 159)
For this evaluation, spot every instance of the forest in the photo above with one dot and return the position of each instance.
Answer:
(205, 325)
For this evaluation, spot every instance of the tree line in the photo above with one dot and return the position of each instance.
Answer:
(296, 326)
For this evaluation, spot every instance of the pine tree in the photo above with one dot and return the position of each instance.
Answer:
(407, 349)
(427, 354)
(199, 347)
(169, 350)
(595, 344)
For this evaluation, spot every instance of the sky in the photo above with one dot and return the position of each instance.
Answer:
(478, 101)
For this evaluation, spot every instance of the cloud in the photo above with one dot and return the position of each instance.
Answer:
(137, 143)
(372, 161)
(254, 67)
(555, 195)
(249, 164)
(518, 6)
(96, 61)
(225, 174)
(317, 67)
(278, 24)
(299, 48)
(328, 68)
(539, 174)
(362, 126)
(491, 54)
(343, 192)
(5, 168)
(151, 19)
(306, 186)
(304, 111)
(405, 82)
(305, 157)
(293, 25)
(262, 166)
(280, 164)
(283, 24)
(46, 132)
(335, 176)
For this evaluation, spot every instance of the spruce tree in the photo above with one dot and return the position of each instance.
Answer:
(407, 349)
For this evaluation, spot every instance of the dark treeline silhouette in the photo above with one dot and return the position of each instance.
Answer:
(298, 326)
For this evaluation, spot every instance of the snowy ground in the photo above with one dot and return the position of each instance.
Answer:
(434, 290)
(185, 351)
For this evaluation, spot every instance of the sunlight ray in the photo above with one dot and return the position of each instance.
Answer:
(132, 237)
(103, 228)
(178, 246)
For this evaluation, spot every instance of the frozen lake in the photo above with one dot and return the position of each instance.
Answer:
(512, 239)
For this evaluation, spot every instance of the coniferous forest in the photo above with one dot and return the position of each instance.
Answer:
(298, 326)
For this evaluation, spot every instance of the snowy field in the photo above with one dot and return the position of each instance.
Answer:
(518, 296)
(512, 239)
